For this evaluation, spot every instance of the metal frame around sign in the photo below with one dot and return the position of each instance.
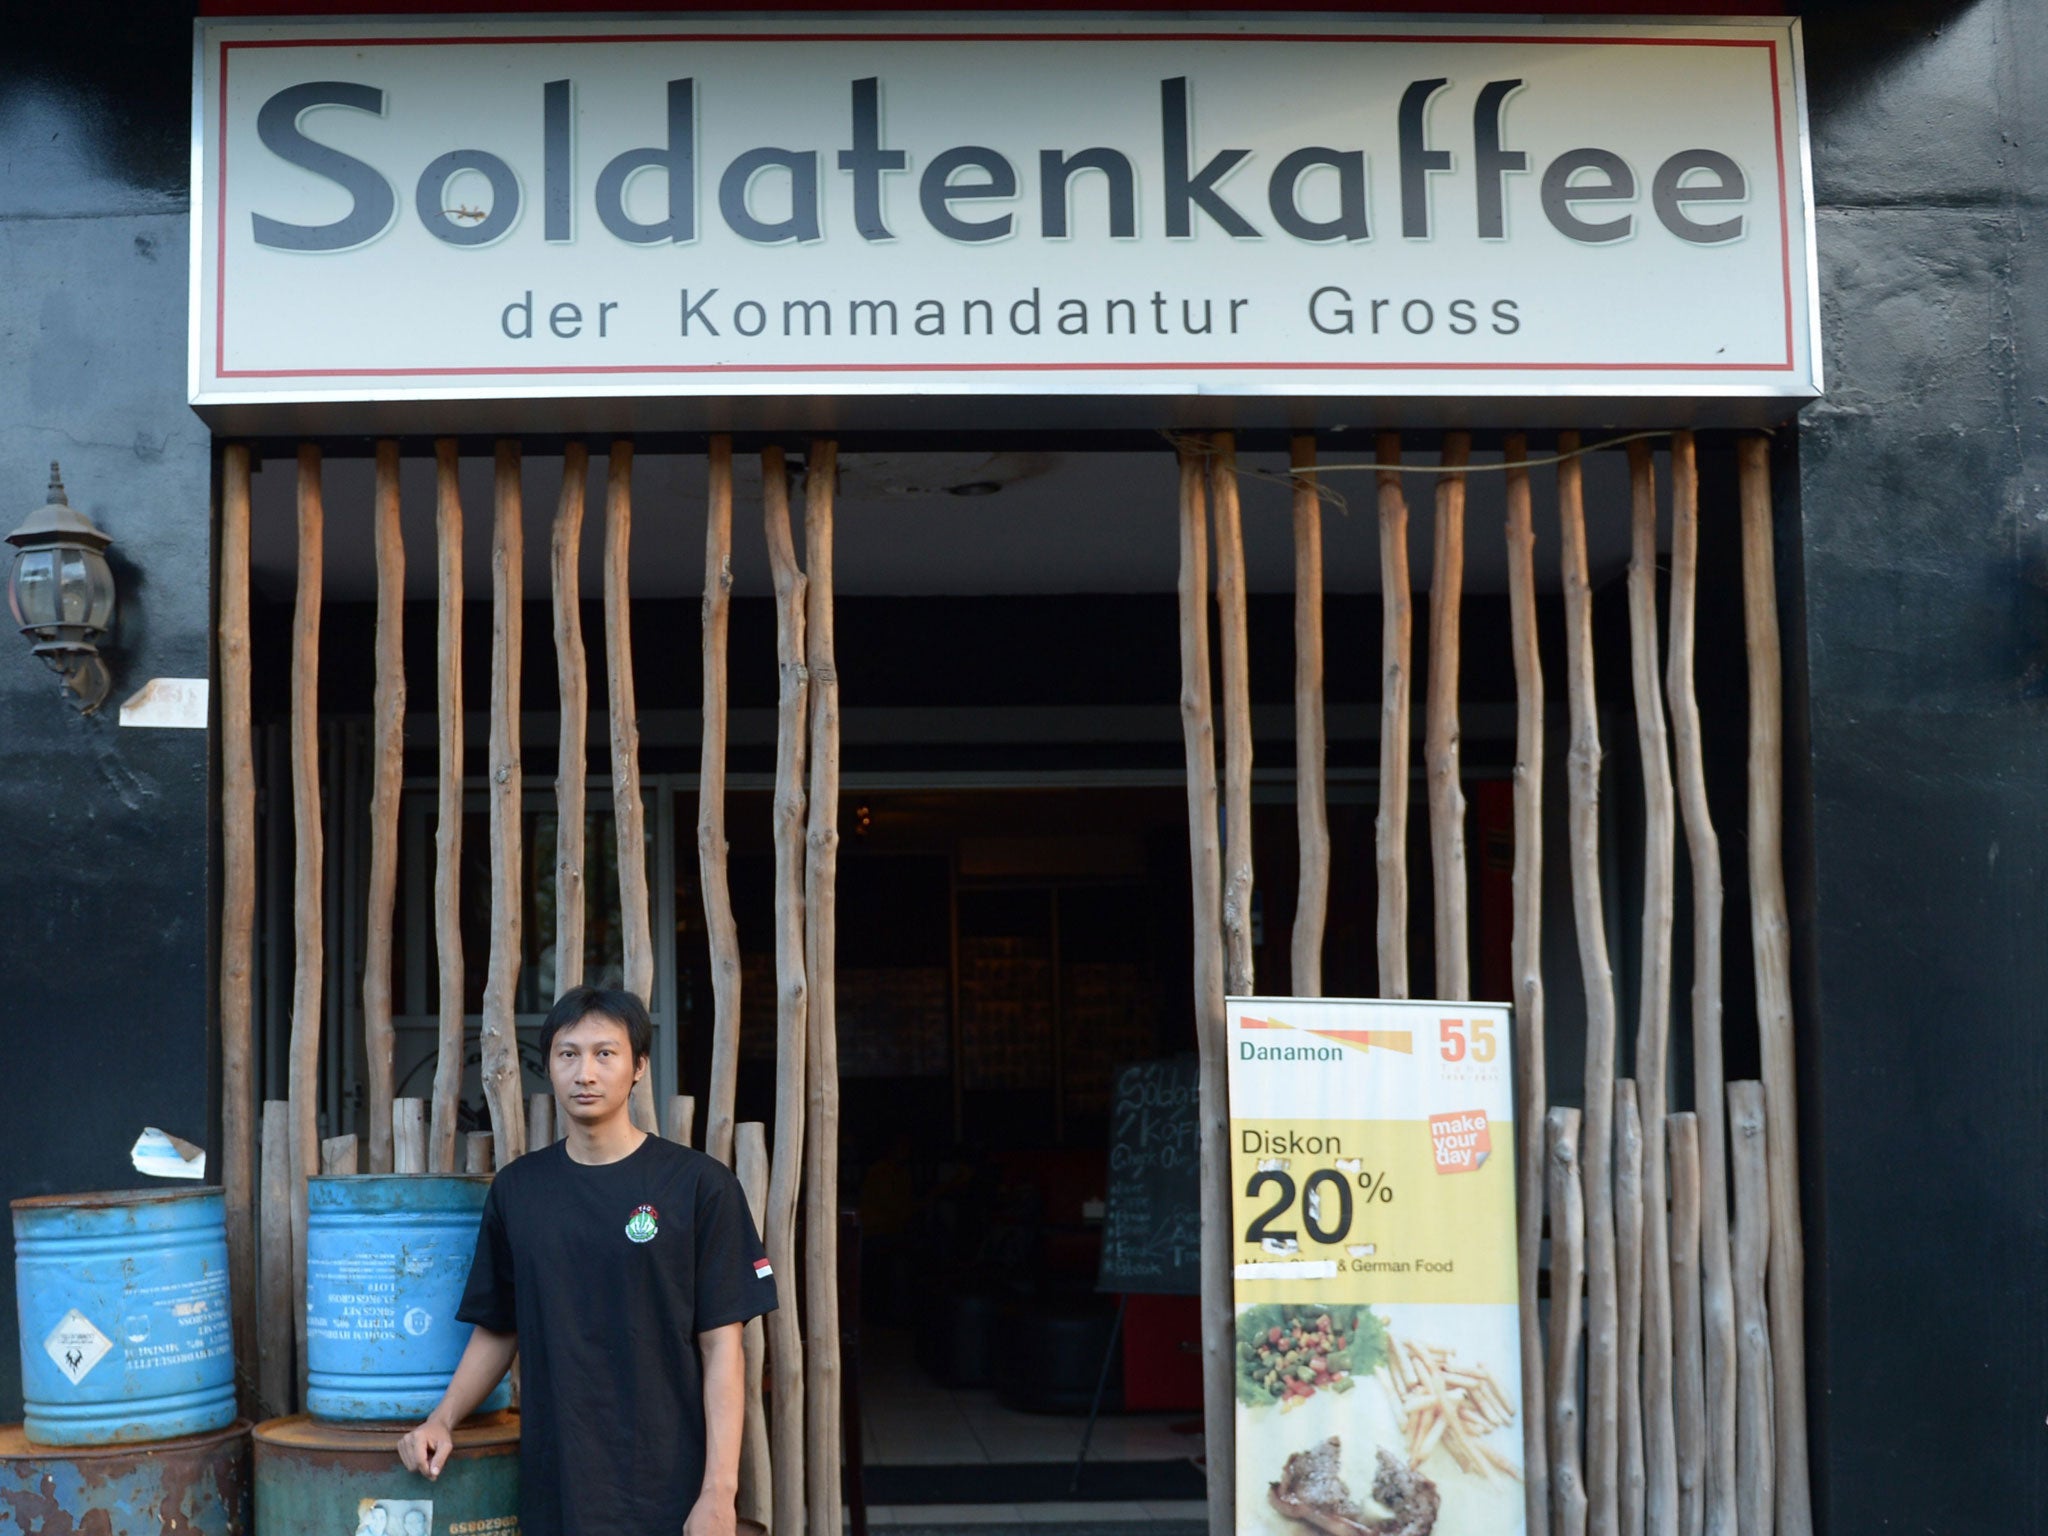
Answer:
(858, 395)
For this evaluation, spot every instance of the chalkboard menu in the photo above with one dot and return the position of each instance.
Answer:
(1152, 1230)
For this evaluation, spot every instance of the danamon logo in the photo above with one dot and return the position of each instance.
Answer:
(1401, 1040)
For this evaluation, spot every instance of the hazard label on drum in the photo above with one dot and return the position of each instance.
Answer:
(76, 1346)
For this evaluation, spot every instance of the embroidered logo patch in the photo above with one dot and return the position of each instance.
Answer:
(762, 1269)
(643, 1224)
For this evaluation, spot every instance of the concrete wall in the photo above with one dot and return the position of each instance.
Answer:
(105, 929)
(1922, 486)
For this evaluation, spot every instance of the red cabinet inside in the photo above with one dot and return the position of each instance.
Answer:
(1163, 1354)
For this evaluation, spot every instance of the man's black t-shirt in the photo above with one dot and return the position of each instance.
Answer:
(608, 1272)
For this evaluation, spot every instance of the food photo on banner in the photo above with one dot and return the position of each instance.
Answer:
(1373, 1210)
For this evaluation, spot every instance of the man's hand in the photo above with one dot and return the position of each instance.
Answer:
(712, 1515)
(484, 1361)
(426, 1450)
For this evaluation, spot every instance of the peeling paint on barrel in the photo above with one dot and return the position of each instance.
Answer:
(197, 1485)
(123, 1303)
(387, 1259)
(315, 1479)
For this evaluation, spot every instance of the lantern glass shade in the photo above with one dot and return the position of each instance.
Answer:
(32, 588)
(62, 591)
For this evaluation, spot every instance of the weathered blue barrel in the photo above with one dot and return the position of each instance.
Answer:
(123, 1299)
(196, 1486)
(387, 1257)
(315, 1479)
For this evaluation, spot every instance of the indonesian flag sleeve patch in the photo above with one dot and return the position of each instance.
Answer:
(762, 1269)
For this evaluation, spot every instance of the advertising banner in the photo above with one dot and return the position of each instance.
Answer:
(1002, 205)
(1373, 1218)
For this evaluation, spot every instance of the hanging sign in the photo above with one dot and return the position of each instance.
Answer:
(796, 205)
(1378, 1361)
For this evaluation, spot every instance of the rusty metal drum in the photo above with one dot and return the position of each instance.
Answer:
(197, 1485)
(387, 1257)
(317, 1479)
(123, 1303)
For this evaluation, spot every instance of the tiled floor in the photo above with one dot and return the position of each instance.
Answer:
(1036, 1514)
(975, 1430)
(907, 1418)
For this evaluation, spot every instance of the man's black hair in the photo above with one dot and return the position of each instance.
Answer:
(621, 1007)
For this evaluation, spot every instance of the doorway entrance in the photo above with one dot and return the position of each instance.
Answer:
(1005, 949)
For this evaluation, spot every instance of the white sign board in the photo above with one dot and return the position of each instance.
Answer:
(1376, 1337)
(1002, 205)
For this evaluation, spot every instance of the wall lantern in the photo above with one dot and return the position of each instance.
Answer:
(62, 593)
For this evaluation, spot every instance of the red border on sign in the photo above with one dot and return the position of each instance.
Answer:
(222, 371)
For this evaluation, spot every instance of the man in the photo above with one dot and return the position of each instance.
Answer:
(622, 1267)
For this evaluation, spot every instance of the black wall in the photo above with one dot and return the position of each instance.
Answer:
(105, 923)
(1914, 560)
(1922, 485)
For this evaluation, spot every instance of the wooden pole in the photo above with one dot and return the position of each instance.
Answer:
(1311, 796)
(757, 1495)
(1526, 959)
(274, 1372)
(340, 1155)
(1198, 731)
(540, 1121)
(1583, 785)
(1237, 716)
(1567, 1271)
(1756, 1458)
(721, 931)
(1628, 1247)
(635, 913)
(1703, 853)
(503, 1083)
(448, 815)
(792, 997)
(1397, 628)
(679, 1118)
(238, 1108)
(387, 754)
(822, 1387)
(477, 1152)
(1689, 1410)
(1653, 1019)
(1440, 731)
(1770, 932)
(572, 755)
(409, 1137)
(309, 978)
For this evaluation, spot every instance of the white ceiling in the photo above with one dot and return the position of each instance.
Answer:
(1059, 523)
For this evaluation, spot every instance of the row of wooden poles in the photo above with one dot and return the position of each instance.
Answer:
(1692, 1412)
(790, 1467)
(1673, 1373)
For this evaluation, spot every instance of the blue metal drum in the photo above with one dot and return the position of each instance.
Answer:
(123, 1300)
(387, 1257)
